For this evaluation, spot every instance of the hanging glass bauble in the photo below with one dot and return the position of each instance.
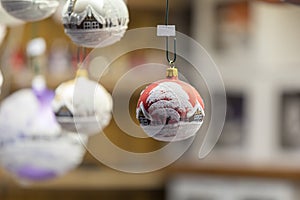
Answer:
(1, 81)
(170, 109)
(7, 19)
(32, 146)
(82, 105)
(30, 10)
(95, 23)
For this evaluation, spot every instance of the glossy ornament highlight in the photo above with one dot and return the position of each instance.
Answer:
(30, 10)
(82, 105)
(95, 23)
(170, 110)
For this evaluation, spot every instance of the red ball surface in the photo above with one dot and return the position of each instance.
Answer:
(170, 110)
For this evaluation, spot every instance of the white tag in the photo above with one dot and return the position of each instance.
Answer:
(166, 30)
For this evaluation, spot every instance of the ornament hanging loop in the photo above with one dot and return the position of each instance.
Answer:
(171, 61)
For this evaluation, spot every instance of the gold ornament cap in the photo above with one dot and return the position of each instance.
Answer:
(172, 72)
(82, 73)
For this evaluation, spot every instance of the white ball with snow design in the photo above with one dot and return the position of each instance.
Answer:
(95, 23)
(82, 105)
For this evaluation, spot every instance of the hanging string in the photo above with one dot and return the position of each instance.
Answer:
(167, 13)
(171, 61)
(33, 60)
(81, 55)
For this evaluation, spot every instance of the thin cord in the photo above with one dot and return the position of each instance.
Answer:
(171, 61)
(34, 65)
(81, 55)
(167, 13)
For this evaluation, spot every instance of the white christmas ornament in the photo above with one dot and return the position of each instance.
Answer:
(32, 146)
(30, 10)
(95, 23)
(7, 19)
(82, 105)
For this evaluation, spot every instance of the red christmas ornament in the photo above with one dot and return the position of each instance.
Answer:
(170, 109)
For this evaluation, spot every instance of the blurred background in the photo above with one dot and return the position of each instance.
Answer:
(255, 45)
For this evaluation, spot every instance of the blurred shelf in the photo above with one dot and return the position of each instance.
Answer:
(99, 178)
(103, 178)
(238, 170)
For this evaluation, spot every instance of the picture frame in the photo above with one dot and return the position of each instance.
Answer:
(290, 120)
(233, 134)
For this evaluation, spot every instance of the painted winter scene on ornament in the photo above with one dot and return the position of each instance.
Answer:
(95, 23)
(32, 145)
(82, 105)
(30, 10)
(170, 110)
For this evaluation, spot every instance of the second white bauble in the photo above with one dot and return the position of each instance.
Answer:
(95, 23)
(82, 105)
